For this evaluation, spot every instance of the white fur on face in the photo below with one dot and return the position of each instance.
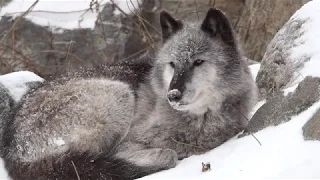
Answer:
(167, 76)
(200, 94)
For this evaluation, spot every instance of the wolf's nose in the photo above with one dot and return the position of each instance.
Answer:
(174, 96)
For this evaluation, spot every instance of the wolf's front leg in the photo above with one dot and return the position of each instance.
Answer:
(152, 160)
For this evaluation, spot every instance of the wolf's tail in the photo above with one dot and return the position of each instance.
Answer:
(76, 166)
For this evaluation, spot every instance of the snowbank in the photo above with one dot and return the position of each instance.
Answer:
(308, 43)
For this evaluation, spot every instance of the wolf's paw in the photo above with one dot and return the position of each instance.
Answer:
(168, 158)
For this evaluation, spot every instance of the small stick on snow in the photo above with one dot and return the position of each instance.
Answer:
(188, 144)
(248, 121)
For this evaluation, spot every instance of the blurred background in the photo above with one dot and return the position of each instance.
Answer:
(51, 37)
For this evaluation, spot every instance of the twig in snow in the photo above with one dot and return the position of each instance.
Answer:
(191, 145)
(248, 121)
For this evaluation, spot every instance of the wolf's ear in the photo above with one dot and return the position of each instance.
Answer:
(217, 25)
(169, 25)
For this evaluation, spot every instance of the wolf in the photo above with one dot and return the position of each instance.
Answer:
(128, 120)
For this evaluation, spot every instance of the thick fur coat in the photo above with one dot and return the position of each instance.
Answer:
(129, 120)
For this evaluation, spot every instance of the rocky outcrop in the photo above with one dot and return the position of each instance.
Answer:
(281, 109)
(115, 37)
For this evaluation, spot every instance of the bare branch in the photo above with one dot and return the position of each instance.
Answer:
(18, 21)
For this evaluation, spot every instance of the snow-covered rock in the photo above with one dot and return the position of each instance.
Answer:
(281, 109)
(18, 83)
(294, 53)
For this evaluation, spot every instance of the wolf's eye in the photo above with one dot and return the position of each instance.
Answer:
(171, 64)
(198, 62)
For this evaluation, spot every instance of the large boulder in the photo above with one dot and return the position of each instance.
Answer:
(292, 54)
(260, 21)
(4, 2)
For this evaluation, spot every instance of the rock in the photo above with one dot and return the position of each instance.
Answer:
(277, 67)
(311, 130)
(280, 109)
(4, 2)
(260, 21)
(283, 64)
(115, 37)
(124, 37)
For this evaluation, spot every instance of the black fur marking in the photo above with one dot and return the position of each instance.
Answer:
(217, 24)
(180, 79)
(169, 25)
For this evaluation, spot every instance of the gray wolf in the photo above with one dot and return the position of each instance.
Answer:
(126, 120)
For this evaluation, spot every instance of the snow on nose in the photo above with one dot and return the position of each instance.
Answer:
(174, 95)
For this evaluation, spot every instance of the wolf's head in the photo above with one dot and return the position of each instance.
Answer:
(199, 63)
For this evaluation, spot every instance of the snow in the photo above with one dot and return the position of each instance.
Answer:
(59, 141)
(3, 172)
(17, 82)
(308, 43)
(71, 14)
(254, 68)
(290, 89)
(283, 154)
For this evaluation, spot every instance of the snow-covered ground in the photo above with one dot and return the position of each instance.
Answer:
(283, 153)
